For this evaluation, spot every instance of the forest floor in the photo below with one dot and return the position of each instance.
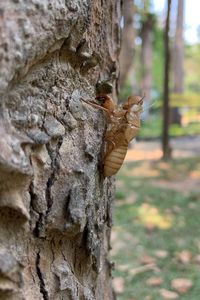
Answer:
(181, 147)
(156, 232)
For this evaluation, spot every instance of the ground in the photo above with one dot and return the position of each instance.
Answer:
(182, 147)
(156, 233)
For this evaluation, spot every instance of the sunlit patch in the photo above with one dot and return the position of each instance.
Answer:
(145, 169)
(195, 174)
(135, 155)
(151, 218)
(163, 165)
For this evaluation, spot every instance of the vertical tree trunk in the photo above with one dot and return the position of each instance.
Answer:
(55, 214)
(179, 50)
(127, 51)
(146, 60)
(178, 55)
(165, 135)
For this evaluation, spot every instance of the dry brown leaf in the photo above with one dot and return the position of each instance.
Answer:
(197, 259)
(118, 285)
(148, 297)
(198, 244)
(161, 253)
(147, 259)
(154, 281)
(195, 174)
(184, 257)
(122, 267)
(163, 165)
(192, 205)
(176, 209)
(166, 294)
(181, 285)
(142, 269)
(127, 200)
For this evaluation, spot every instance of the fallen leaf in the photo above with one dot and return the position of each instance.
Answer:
(197, 259)
(161, 253)
(147, 259)
(154, 281)
(198, 244)
(122, 267)
(166, 294)
(118, 285)
(195, 174)
(181, 285)
(176, 209)
(128, 200)
(192, 205)
(148, 297)
(151, 218)
(163, 165)
(143, 269)
(184, 257)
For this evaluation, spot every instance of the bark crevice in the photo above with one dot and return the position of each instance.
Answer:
(43, 290)
(55, 166)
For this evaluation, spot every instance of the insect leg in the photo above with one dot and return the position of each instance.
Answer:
(96, 106)
(107, 140)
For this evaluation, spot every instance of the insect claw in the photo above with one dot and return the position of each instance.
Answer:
(141, 100)
(96, 105)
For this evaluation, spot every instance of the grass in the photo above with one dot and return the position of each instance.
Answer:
(153, 129)
(142, 208)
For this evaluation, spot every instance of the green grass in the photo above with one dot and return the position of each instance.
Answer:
(153, 129)
(136, 240)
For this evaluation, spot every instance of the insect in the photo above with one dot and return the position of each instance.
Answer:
(123, 126)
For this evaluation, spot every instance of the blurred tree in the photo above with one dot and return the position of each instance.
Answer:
(146, 55)
(128, 35)
(191, 64)
(158, 61)
(165, 135)
(178, 55)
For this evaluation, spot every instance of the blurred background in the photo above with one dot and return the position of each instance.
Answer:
(156, 232)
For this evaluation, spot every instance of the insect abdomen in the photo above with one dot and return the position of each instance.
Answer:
(114, 160)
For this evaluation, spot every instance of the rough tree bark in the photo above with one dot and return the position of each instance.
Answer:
(55, 206)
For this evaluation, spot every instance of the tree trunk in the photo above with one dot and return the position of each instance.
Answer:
(165, 135)
(55, 206)
(146, 60)
(179, 50)
(127, 51)
(178, 54)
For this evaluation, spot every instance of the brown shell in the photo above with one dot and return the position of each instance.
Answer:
(114, 160)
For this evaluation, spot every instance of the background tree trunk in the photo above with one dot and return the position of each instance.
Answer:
(165, 135)
(146, 60)
(127, 52)
(55, 214)
(178, 55)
